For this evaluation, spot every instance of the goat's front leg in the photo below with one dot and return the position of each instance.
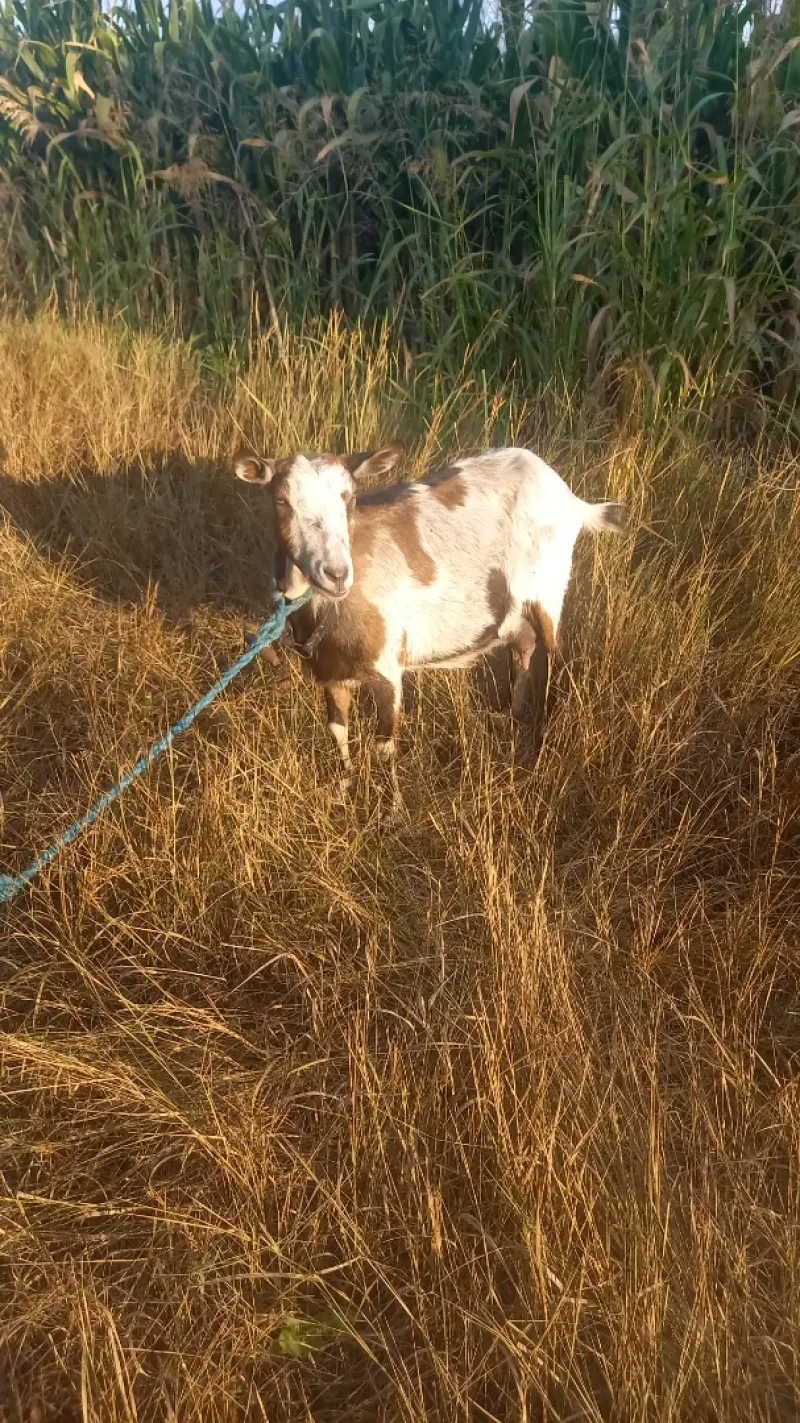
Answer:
(387, 694)
(337, 701)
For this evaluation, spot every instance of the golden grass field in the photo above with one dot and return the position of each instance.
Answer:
(494, 1114)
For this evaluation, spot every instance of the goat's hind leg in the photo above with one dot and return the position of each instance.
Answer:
(533, 650)
(522, 650)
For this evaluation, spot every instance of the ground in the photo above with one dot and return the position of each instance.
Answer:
(489, 1115)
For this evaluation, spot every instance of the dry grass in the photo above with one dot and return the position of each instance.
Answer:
(494, 1116)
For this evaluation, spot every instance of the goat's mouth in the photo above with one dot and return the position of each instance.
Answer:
(333, 592)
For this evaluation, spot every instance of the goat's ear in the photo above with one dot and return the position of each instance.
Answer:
(374, 462)
(254, 471)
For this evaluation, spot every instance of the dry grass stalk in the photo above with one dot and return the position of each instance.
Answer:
(492, 1117)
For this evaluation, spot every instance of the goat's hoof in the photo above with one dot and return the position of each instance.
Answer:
(393, 812)
(343, 793)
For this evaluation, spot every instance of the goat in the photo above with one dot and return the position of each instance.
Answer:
(434, 573)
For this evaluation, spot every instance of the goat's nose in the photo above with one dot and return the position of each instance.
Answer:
(337, 576)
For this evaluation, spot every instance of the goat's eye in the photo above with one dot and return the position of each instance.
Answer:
(283, 503)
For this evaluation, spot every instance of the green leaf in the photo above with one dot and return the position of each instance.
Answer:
(352, 105)
(350, 139)
(104, 109)
(330, 60)
(517, 95)
(75, 79)
(27, 54)
(303, 1338)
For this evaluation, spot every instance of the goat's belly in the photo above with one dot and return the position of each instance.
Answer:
(465, 659)
(465, 655)
(449, 625)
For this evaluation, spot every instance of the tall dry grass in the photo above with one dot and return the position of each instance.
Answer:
(493, 1116)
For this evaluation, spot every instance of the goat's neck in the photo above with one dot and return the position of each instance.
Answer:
(289, 580)
(287, 577)
(296, 582)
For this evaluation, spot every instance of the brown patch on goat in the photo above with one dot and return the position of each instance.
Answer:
(533, 662)
(337, 701)
(362, 539)
(352, 643)
(498, 595)
(406, 536)
(451, 494)
(447, 487)
(398, 521)
(369, 499)
(384, 694)
(542, 624)
(282, 512)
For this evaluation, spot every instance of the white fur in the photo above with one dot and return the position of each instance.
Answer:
(339, 734)
(519, 518)
(510, 536)
(318, 492)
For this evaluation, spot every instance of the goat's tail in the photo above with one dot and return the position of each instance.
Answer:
(606, 518)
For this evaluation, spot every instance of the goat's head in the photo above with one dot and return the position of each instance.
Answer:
(313, 501)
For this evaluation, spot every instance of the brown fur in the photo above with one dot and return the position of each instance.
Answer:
(406, 535)
(380, 463)
(446, 485)
(281, 514)
(532, 651)
(386, 706)
(498, 595)
(337, 702)
(352, 644)
(450, 489)
(399, 521)
(542, 624)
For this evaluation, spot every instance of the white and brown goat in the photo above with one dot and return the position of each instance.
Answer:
(431, 574)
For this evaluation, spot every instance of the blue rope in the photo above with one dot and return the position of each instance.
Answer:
(270, 631)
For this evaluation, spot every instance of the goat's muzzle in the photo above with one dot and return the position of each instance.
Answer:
(334, 580)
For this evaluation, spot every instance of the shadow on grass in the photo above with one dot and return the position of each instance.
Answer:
(178, 532)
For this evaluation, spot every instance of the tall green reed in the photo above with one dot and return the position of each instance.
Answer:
(587, 198)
